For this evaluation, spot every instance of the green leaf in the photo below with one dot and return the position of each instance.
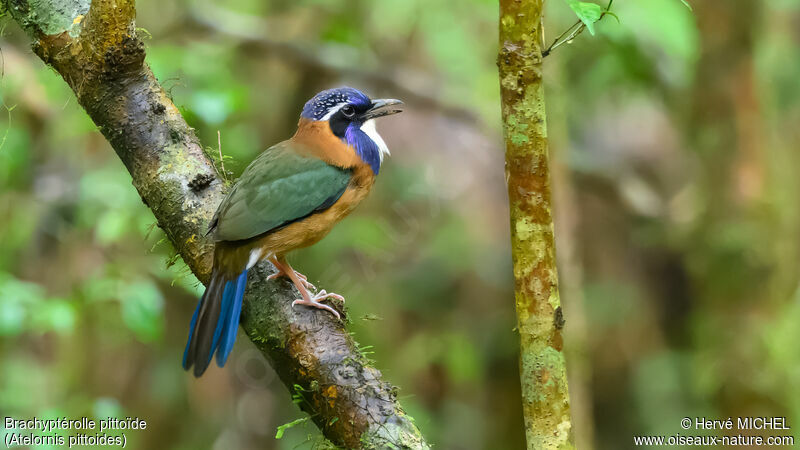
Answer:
(685, 2)
(282, 429)
(54, 315)
(142, 306)
(213, 107)
(19, 300)
(113, 225)
(589, 13)
(105, 407)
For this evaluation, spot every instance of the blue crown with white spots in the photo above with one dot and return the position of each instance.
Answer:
(319, 106)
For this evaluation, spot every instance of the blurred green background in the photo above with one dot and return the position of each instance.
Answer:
(675, 145)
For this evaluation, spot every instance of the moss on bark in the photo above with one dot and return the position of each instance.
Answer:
(97, 52)
(540, 319)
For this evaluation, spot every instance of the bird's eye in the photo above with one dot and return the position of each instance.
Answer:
(348, 111)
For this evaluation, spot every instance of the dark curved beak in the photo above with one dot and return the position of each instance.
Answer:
(382, 107)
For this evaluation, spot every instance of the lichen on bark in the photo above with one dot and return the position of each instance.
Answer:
(96, 51)
(49, 16)
(540, 319)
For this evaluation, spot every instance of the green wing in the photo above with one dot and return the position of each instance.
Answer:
(277, 188)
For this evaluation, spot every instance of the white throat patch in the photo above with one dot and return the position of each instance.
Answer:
(369, 129)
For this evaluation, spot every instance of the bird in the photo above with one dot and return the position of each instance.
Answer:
(288, 198)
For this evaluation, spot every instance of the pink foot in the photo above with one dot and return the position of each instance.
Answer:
(314, 301)
(301, 283)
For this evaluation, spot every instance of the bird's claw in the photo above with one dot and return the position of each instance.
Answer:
(314, 301)
(324, 294)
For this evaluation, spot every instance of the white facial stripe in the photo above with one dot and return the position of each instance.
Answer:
(333, 110)
(368, 127)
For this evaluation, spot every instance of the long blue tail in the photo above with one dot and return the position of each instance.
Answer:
(215, 322)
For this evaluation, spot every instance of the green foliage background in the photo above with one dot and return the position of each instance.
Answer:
(674, 139)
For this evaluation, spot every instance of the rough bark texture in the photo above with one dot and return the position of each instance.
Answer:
(96, 50)
(539, 316)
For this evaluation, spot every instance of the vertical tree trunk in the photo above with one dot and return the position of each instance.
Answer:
(545, 398)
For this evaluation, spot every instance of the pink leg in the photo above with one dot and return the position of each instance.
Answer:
(308, 299)
(283, 271)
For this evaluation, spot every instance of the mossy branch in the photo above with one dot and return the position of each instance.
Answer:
(96, 50)
(545, 398)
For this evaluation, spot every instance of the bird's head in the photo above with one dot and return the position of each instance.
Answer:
(350, 115)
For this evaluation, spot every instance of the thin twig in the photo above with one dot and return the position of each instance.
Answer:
(221, 159)
(556, 43)
(581, 26)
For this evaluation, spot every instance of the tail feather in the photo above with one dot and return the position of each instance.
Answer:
(192, 324)
(214, 323)
(231, 324)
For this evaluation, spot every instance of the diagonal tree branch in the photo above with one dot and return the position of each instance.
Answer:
(95, 49)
